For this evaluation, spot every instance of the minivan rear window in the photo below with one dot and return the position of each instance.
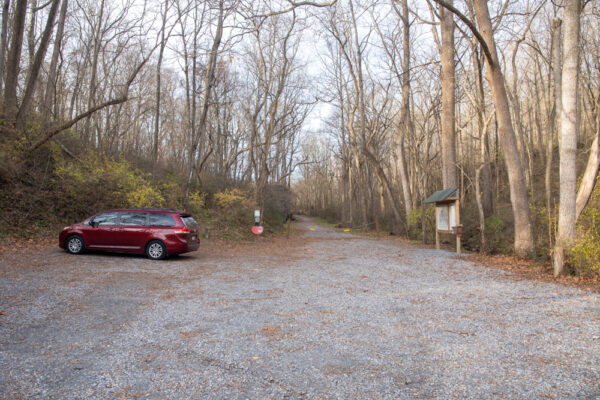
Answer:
(189, 222)
(156, 219)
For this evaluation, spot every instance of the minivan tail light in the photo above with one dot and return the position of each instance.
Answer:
(182, 230)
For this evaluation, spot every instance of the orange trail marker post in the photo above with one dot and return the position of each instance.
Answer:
(257, 229)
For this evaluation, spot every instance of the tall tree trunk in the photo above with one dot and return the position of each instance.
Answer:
(13, 61)
(362, 203)
(36, 65)
(31, 33)
(554, 119)
(478, 199)
(448, 99)
(567, 140)
(588, 182)
(487, 195)
(523, 243)
(385, 183)
(53, 70)
(405, 110)
(208, 84)
(91, 100)
(484, 151)
(404, 178)
(161, 52)
(3, 40)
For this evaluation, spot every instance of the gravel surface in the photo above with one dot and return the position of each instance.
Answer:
(325, 315)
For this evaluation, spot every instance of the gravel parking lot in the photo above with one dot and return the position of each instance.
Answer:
(325, 315)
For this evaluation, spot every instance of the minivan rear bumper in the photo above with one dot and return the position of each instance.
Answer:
(181, 245)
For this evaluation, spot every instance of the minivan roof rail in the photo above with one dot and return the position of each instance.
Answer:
(159, 209)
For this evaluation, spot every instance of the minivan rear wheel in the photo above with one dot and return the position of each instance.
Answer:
(75, 244)
(156, 250)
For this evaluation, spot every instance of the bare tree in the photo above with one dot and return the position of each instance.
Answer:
(9, 106)
(50, 92)
(35, 66)
(568, 134)
(555, 117)
(523, 243)
(3, 41)
(164, 37)
(208, 85)
(448, 99)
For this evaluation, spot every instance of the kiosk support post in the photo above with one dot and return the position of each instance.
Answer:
(459, 230)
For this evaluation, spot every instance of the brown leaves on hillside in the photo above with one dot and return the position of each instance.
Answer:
(532, 269)
(20, 245)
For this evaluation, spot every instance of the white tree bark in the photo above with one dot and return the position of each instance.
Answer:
(555, 118)
(567, 140)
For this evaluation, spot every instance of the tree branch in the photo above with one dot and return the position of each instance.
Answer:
(294, 5)
(118, 100)
(471, 26)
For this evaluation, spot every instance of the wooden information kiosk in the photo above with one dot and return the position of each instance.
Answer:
(447, 214)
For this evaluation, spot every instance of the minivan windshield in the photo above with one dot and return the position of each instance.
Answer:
(189, 222)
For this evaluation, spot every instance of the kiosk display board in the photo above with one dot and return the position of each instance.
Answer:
(445, 216)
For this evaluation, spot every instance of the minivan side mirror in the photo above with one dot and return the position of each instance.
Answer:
(94, 223)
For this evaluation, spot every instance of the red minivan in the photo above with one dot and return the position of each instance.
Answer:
(156, 232)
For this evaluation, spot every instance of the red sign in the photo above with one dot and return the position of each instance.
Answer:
(257, 229)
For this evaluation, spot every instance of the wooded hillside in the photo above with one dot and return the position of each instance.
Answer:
(360, 108)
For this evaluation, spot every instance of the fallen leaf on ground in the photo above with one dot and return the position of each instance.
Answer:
(270, 328)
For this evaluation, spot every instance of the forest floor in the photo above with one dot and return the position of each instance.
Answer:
(324, 314)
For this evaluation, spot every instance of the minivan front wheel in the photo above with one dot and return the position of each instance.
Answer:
(75, 244)
(156, 250)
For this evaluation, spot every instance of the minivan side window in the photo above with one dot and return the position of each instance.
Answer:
(132, 218)
(108, 218)
(155, 219)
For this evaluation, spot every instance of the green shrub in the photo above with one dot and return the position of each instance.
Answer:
(415, 226)
(584, 256)
(197, 202)
(145, 196)
(172, 190)
(100, 182)
(498, 237)
(231, 197)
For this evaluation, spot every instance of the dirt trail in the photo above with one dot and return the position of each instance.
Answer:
(326, 315)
